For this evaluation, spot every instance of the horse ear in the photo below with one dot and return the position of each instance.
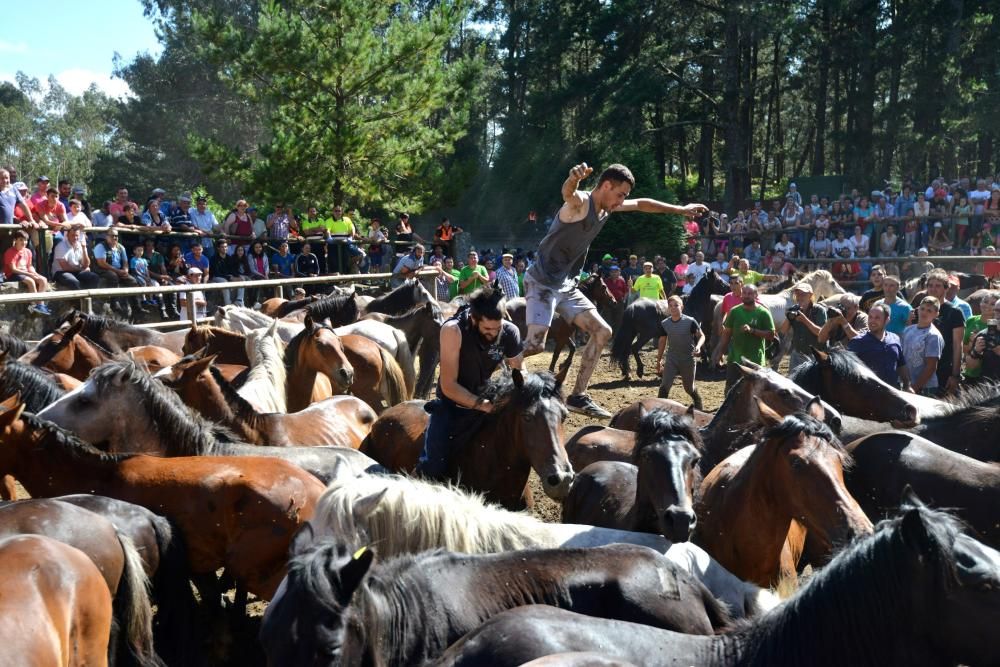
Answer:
(198, 365)
(354, 571)
(11, 402)
(564, 369)
(273, 329)
(496, 283)
(752, 365)
(690, 411)
(909, 499)
(301, 540)
(14, 408)
(914, 530)
(308, 322)
(365, 505)
(75, 329)
(821, 356)
(815, 409)
(768, 416)
(517, 377)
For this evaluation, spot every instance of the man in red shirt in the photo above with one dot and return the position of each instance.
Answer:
(51, 211)
(41, 188)
(991, 269)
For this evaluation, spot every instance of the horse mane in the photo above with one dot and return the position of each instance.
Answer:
(12, 346)
(184, 432)
(502, 392)
(801, 423)
(865, 588)
(96, 324)
(241, 407)
(415, 516)
(291, 306)
(267, 365)
(340, 309)
(844, 362)
(398, 300)
(659, 425)
(396, 319)
(68, 442)
(38, 389)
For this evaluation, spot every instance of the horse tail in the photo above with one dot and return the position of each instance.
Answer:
(717, 611)
(404, 357)
(176, 607)
(392, 385)
(133, 611)
(621, 345)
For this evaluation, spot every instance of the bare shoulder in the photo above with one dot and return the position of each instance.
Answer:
(575, 208)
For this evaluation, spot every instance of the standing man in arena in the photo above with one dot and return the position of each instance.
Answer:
(473, 343)
(685, 337)
(746, 331)
(549, 284)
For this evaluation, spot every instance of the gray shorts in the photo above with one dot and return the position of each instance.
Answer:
(543, 302)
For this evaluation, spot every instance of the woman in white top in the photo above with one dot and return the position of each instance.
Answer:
(785, 245)
(820, 246)
(859, 240)
(840, 243)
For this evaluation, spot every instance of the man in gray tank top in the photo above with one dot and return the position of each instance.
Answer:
(550, 283)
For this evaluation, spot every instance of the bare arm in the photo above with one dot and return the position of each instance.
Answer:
(723, 345)
(516, 362)
(574, 208)
(656, 206)
(930, 368)
(957, 334)
(451, 344)
(904, 377)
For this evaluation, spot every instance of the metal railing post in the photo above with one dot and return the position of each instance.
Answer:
(87, 305)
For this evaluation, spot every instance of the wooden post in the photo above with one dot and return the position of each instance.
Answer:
(191, 310)
(87, 305)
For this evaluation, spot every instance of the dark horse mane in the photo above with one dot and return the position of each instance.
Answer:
(388, 602)
(844, 363)
(340, 309)
(37, 388)
(801, 423)
(396, 319)
(503, 392)
(659, 425)
(293, 305)
(866, 588)
(68, 443)
(240, 406)
(183, 431)
(12, 346)
(94, 324)
(398, 300)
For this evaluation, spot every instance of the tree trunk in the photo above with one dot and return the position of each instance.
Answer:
(734, 155)
(823, 81)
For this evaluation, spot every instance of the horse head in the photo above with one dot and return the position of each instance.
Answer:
(780, 394)
(666, 456)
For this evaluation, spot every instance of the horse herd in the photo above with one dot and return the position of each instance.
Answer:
(174, 475)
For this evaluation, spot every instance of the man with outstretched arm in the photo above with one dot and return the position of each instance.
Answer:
(473, 344)
(549, 284)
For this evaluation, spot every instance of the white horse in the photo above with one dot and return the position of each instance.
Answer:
(265, 385)
(400, 515)
(244, 320)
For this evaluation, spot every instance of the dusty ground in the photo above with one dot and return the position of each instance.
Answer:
(613, 393)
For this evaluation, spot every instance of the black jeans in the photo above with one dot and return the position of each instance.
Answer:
(449, 428)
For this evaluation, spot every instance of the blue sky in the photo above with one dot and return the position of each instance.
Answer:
(80, 50)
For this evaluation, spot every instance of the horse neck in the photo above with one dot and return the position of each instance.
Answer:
(47, 468)
(394, 629)
(501, 466)
(717, 433)
(299, 381)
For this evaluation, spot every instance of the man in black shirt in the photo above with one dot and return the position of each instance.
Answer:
(473, 344)
(869, 298)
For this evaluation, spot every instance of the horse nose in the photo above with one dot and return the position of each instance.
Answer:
(912, 416)
(556, 485)
(346, 376)
(678, 524)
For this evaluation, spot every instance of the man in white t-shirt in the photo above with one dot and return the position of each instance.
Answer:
(699, 268)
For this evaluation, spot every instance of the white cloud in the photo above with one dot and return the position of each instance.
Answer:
(77, 80)
(13, 47)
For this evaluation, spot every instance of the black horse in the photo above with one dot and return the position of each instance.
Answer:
(641, 322)
(422, 327)
(918, 592)
(337, 608)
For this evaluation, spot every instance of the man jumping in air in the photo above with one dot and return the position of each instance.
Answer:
(550, 285)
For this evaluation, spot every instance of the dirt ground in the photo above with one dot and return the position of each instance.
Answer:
(613, 393)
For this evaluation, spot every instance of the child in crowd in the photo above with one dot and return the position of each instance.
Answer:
(194, 276)
(962, 212)
(138, 266)
(18, 267)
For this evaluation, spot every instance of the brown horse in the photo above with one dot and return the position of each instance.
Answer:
(598, 443)
(228, 347)
(341, 421)
(69, 352)
(653, 494)
(524, 432)
(118, 336)
(317, 358)
(628, 418)
(113, 553)
(278, 307)
(749, 501)
(55, 608)
(237, 513)
(561, 332)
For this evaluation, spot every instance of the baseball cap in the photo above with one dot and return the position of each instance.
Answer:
(185, 197)
(607, 256)
(614, 267)
(922, 251)
(20, 186)
(42, 178)
(937, 224)
(803, 287)
(159, 191)
(79, 189)
(194, 269)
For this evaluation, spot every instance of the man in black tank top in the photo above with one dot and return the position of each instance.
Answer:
(549, 284)
(473, 344)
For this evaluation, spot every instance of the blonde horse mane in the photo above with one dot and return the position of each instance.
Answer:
(414, 516)
(823, 283)
(265, 385)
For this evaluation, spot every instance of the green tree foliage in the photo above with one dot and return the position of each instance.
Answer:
(45, 130)
(359, 100)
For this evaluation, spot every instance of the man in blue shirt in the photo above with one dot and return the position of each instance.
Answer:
(283, 262)
(881, 350)
(899, 308)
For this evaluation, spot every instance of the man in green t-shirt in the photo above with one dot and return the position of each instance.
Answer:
(473, 275)
(975, 324)
(749, 276)
(449, 268)
(746, 332)
(649, 285)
